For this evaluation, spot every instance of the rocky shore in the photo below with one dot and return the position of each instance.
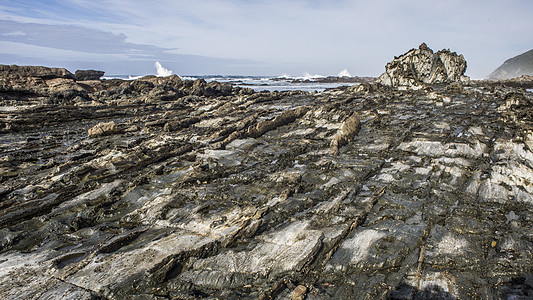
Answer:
(331, 79)
(417, 186)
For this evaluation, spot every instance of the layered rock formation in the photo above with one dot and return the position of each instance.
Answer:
(7, 71)
(520, 65)
(37, 86)
(422, 66)
(162, 188)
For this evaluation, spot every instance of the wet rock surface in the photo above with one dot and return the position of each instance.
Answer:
(203, 190)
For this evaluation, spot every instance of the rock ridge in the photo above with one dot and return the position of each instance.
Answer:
(34, 71)
(418, 67)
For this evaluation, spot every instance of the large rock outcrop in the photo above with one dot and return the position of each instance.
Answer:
(34, 71)
(27, 85)
(422, 66)
(41, 84)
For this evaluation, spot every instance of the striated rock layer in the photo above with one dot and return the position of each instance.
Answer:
(161, 188)
(7, 71)
(422, 66)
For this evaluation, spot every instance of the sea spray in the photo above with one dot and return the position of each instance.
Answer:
(344, 73)
(161, 71)
(308, 76)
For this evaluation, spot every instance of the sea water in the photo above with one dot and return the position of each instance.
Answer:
(305, 83)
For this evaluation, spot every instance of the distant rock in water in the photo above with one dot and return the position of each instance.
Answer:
(514, 67)
(88, 75)
(422, 66)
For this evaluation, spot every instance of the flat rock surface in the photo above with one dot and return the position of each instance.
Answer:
(208, 191)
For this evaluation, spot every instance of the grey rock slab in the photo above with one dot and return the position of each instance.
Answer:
(286, 250)
(370, 247)
(117, 271)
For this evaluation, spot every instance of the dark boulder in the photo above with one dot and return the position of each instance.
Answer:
(66, 96)
(216, 89)
(198, 87)
(82, 75)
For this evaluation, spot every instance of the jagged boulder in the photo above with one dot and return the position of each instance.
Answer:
(102, 129)
(82, 75)
(422, 66)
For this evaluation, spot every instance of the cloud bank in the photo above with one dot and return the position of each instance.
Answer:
(265, 37)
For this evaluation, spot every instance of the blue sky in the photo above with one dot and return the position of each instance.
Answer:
(258, 37)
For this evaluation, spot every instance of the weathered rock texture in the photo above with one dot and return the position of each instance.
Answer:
(422, 66)
(346, 133)
(209, 191)
(103, 129)
(82, 75)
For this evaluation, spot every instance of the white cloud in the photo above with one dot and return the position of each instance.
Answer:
(14, 33)
(14, 48)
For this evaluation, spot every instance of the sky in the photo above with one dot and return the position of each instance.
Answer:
(258, 37)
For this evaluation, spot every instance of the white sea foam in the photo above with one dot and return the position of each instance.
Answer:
(308, 76)
(259, 83)
(344, 73)
(134, 77)
(161, 71)
(123, 77)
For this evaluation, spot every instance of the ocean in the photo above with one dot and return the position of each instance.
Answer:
(307, 83)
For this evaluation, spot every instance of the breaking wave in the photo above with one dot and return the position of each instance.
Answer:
(161, 71)
(306, 76)
(344, 73)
